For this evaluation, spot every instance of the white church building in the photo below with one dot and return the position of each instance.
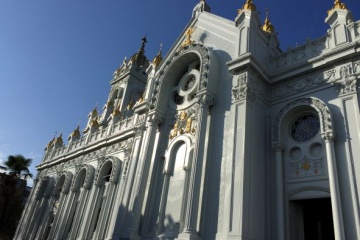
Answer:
(226, 137)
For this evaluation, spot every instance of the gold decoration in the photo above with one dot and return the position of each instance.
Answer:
(188, 40)
(50, 143)
(188, 125)
(157, 60)
(130, 105)
(306, 166)
(337, 5)
(249, 5)
(94, 123)
(141, 99)
(268, 27)
(116, 111)
(59, 139)
(182, 125)
(183, 115)
(76, 132)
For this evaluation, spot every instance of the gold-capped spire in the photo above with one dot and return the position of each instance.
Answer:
(337, 5)
(267, 26)
(188, 40)
(249, 5)
(59, 139)
(76, 132)
(50, 143)
(157, 60)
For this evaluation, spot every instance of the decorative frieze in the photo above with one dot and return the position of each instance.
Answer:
(301, 85)
(306, 167)
(246, 86)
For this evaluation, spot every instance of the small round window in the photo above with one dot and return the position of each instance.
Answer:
(305, 128)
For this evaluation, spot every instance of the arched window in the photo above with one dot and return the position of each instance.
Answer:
(175, 191)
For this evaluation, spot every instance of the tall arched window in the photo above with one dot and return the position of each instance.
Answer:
(172, 213)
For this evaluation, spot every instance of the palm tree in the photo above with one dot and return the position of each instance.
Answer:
(18, 166)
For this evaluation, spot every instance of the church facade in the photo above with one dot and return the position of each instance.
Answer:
(226, 137)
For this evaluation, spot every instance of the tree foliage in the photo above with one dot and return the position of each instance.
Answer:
(18, 166)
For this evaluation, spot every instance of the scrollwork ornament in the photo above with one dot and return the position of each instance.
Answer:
(348, 86)
(328, 136)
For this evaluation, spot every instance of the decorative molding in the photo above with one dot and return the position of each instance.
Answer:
(204, 55)
(114, 176)
(301, 85)
(246, 86)
(307, 168)
(318, 105)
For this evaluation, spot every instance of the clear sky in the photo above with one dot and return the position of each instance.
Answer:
(57, 57)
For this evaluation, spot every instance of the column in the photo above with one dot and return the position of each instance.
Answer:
(279, 192)
(142, 173)
(192, 207)
(334, 186)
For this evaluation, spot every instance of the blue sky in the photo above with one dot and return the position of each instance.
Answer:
(57, 57)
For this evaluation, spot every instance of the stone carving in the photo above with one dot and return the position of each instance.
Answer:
(205, 63)
(95, 154)
(248, 87)
(301, 85)
(127, 154)
(319, 106)
(307, 168)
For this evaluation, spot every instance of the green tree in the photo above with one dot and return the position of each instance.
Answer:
(12, 193)
(18, 166)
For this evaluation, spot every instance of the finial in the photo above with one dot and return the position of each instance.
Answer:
(337, 5)
(158, 57)
(144, 41)
(76, 132)
(267, 26)
(249, 5)
(188, 40)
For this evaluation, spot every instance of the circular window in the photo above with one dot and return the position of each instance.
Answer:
(305, 128)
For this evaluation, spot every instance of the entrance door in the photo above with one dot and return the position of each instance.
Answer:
(311, 219)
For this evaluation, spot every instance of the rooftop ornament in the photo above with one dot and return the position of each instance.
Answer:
(249, 5)
(337, 5)
(157, 60)
(267, 26)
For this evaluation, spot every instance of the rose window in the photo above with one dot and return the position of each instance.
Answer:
(305, 128)
(185, 90)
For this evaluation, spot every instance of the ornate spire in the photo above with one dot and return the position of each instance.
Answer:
(337, 5)
(188, 40)
(59, 140)
(76, 132)
(139, 58)
(157, 60)
(267, 26)
(249, 5)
